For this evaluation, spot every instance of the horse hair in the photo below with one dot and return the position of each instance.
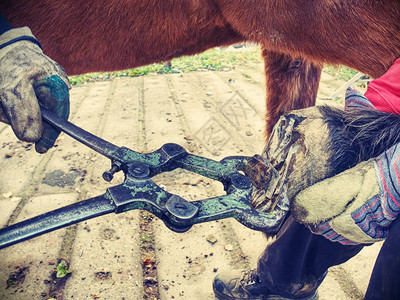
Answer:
(359, 134)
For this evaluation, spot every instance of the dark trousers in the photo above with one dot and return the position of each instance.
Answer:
(296, 263)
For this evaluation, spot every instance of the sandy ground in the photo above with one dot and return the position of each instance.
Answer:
(213, 114)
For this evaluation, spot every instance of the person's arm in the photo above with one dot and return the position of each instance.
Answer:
(29, 79)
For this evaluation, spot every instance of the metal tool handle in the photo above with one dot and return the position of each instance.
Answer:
(55, 219)
(94, 142)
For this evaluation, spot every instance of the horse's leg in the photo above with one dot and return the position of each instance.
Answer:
(292, 83)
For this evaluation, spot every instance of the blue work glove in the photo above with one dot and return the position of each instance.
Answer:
(29, 79)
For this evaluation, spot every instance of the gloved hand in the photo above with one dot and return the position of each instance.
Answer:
(347, 207)
(28, 78)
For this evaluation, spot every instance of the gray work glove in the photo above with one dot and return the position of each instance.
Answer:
(28, 78)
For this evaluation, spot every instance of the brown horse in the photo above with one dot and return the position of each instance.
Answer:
(297, 36)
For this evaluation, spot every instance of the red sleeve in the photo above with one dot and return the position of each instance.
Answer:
(384, 92)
